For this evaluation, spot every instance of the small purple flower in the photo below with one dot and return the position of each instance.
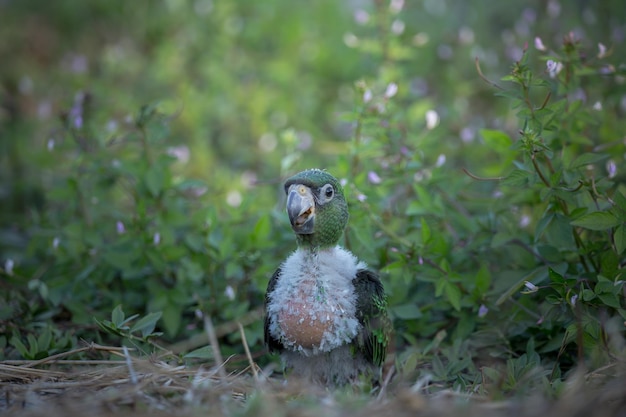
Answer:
(524, 220)
(361, 197)
(611, 168)
(361, 17)
(482, 311)
(539, 44)
(119, 227)
(76, 112)
(396, 6)
(367, 96)
(55, 242)
(553, 67)
(156, 238)
(373, 177)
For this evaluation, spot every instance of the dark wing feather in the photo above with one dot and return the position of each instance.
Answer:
(371, 307)
(272, 344)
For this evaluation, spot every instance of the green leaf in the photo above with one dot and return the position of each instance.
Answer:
(620, 239)
(599, 220)
(205, 352)
(262, 229)
(171, 318)
(194, 241)
(406, 311)
(555, 276)
(425, 231)
(496, 139)
(620, 201)
(21, 348)
(154, 179)
(453, 294)
(610, 299)
(517, 178)
(542, 224)
(587, 159)
(117, 316)
(146, 324)
(44, 339)
(483, 279)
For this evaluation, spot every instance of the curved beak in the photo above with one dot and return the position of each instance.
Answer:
(301, 209)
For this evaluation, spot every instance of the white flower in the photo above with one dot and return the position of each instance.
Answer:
(441, 159)
(530, 286)
(573, 300)
(350, 40)
(234, 198)
(156, 238)
(432, 119)
(601, 50)
(397, 27)
(229, 292)
(391, 90)
(55, 242)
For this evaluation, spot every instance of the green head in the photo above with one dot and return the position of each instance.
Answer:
(317, 209)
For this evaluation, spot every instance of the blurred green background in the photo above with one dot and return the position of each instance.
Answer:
(143, 145)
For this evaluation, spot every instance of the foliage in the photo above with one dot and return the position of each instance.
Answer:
(498, 223)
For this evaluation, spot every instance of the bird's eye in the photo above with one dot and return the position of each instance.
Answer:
(328, 191)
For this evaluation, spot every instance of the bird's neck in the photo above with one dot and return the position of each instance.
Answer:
(312, 243)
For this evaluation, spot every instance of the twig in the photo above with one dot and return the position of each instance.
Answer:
(129, 364)
(223, 329)
(247, 349)
(210, 331)
(54, 358)
(383, 387)
(469, 174)
(485, 79)
(29, 364)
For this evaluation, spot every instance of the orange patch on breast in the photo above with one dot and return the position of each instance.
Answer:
(303, 321)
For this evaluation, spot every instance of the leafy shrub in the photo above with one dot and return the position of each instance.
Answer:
(497, 223)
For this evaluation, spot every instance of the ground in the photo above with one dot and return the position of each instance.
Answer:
(137, 387)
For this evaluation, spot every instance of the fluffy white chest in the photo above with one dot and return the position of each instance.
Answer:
(312, 307)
